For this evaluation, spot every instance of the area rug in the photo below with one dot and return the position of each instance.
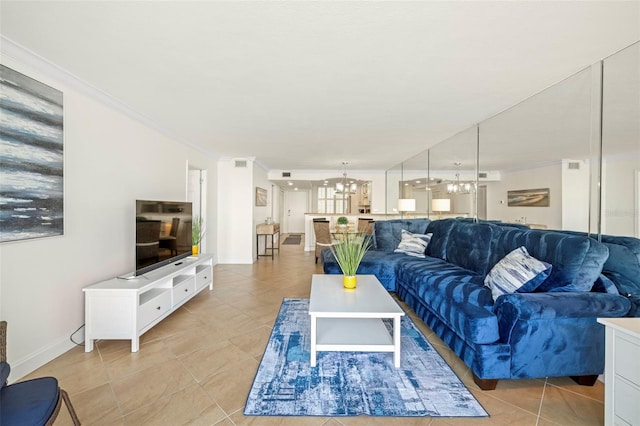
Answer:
(351, 383)
(292, 239)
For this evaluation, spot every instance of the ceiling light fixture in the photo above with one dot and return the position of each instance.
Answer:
(345, 185)
(458, 187)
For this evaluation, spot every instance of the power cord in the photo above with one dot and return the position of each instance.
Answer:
(71, 337)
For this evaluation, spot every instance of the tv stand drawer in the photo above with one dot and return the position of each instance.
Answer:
(159, 303)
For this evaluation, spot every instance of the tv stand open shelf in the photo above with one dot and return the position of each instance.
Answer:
(126, 309)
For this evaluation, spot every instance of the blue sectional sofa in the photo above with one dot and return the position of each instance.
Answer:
(549, 332)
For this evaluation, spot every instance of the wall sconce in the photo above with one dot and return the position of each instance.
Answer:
(439, 205)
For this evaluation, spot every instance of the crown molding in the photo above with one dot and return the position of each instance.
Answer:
(21, 54)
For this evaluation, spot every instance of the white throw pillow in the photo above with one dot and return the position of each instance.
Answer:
(413, 244)
(516, 272)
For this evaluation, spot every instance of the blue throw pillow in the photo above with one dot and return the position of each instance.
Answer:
(517, 272)
(413, 244)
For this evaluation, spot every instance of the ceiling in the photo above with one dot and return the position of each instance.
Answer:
(308, 85)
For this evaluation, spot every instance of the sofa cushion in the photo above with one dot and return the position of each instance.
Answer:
(440, 230)
(470, 245)
(604, 285)
(622, 266)
(386, 233)
(517, 271)
(456, 295)
(413, 244)
(577, 261)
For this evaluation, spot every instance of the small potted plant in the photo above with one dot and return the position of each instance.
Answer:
(342, 223)
(349, 253)
(197, 232)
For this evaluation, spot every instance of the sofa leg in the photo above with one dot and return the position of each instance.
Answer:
(485, 384)
(585, 380)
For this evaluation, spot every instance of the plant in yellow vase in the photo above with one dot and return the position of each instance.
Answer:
(349, 253)
(197, 232)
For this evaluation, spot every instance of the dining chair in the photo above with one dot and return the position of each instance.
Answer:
(365, 225)
(34, 402)
(322, 230)
(171, 241)
(148, 241)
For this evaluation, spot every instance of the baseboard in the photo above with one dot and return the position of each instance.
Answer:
(236, 260)
(39, 358)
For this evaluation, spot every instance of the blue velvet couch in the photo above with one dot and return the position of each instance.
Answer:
(550, 332)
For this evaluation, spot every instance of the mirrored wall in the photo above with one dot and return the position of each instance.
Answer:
(566, 158)
(621, 143)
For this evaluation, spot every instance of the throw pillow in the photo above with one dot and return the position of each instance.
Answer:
(517, 272)
(413, 244)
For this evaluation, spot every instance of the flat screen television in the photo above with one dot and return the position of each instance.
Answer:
(163, 233)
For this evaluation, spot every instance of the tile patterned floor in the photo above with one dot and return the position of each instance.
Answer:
(196, 366)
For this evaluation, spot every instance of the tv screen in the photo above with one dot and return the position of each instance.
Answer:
(163, 233)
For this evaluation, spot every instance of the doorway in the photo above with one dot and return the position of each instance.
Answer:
(196, 194)
(295, 206)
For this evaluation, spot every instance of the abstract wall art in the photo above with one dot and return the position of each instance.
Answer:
(261, 197)
(31, 158)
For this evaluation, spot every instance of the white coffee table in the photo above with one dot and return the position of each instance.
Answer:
(351, 320)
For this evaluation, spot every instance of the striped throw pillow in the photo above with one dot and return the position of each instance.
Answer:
(517, 272)
(413, 244)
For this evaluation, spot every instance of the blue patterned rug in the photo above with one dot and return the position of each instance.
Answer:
(350, 383)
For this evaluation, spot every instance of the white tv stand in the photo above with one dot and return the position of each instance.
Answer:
(126, 309)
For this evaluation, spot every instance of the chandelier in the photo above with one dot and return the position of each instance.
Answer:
(458, 187)
(345, 185)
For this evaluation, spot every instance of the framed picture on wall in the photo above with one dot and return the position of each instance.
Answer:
(261, 196)
(32, 172)
(528, 198)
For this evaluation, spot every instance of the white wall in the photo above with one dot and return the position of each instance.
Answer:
(236, 199)
(111, 160)
(261, 213)
(541, 177)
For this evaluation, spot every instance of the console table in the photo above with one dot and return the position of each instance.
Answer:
(622, 371)
(267, 229)
(128, 308)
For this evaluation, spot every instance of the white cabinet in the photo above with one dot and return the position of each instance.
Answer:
(622, 371)
(127, 308)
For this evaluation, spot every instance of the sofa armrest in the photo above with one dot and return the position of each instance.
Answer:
(532, 306)
(556, 334)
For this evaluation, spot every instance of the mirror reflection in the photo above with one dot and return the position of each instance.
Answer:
(621, 143)
(541, 146)
(453, 176)
(541, 162)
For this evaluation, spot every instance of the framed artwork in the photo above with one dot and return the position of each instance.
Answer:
(261, 197)
(31, 158)
(528, 198)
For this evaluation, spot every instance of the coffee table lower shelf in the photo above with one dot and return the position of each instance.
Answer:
(353, 335)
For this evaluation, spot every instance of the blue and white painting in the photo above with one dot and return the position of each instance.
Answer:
(31, 158)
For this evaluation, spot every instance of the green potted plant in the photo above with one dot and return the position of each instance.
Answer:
(349, 253)
(342, 223)
(197, 232)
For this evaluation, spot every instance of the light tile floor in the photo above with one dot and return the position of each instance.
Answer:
(196, 366)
